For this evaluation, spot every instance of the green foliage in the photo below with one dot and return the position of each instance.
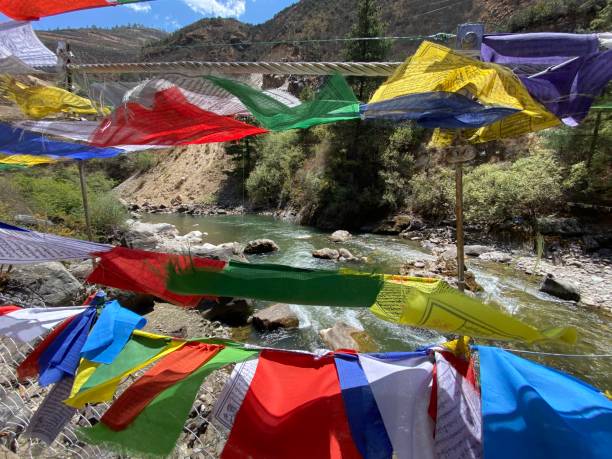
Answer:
(281, 155)
(54, 193)
(580, 14)
(398, 164)
(527, 187)
(433, 193)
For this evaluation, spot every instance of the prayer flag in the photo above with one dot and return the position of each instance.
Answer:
(41, 101)
(156, 430)
(532, 411)
(111, 332)
(52, 414)
(458, 411)
(20, 246)
(293, 408)
(28, 10)
(165, 373)
(172, 120)
(569, 89)
(96, 383)
(18, 40)
(537, 48)
(28, 324)
(401, 384)
(435, 68)
(23, 161)
(335, 101)
(413, 301)
(146, 272)
(61, 358)
(16, 141)
(367, 426)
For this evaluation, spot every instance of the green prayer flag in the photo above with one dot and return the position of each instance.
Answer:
(335, 101)
(156, 430)
(283, 284)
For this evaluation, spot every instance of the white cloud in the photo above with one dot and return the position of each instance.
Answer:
(223, 8)
(139, 8)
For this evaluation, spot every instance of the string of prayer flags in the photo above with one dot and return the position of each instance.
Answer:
(97, 383)
(146, 272)
(301, 398)
(334, 101)
(42, 101)
(61, 358)
(155, 431)
(532, 411)
(172, 120)
(165, 373)
(29, 10)
(418, 302)
(435, 68)
(25, 325)
(19, 246)
(569, 89)
(16, 141)
(111, 333)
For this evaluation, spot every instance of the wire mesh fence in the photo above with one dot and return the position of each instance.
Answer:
(19, 401)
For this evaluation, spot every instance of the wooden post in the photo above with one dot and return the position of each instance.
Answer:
(459, 218)
(85, 200)
(594, 140)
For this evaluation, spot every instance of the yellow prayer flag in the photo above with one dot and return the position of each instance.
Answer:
(41, 101)
(435, 68)
(25, 160)
(432, 303)
(105, 392)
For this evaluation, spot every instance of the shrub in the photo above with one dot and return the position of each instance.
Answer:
(107, 214)
(433, 193)
(280, 157)
(527, 187)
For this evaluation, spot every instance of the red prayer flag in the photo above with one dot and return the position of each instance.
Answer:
(293, 408)
(29, 10)
(146, 272)
(6, 309)
(172, 120)
(168, 371)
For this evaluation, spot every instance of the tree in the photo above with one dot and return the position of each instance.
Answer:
(368, 25)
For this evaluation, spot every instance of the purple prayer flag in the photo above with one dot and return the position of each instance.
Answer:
(568, 90)
(537, 48)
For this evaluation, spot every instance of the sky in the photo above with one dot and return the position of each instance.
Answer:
(166, 14)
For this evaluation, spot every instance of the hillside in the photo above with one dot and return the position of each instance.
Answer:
(119, 44)
(323, 19)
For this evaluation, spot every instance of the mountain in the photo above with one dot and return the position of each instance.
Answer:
(91, 45)
(325, 19)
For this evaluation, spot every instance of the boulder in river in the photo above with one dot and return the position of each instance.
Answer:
(229, 311)
(476, 250)
(275, 317)
(259, 246)
(340, 236)
(326, 254)
(344, 336)
(346, 255)
(48, 283)
(497, 257)
(560, 288)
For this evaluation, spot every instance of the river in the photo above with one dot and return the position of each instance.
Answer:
(516, 292)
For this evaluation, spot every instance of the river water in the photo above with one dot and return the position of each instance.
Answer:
(516, 292)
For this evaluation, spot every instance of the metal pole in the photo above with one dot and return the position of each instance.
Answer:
(459, 218)
(85, 200)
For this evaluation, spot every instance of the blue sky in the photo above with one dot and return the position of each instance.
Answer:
(167, 14)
